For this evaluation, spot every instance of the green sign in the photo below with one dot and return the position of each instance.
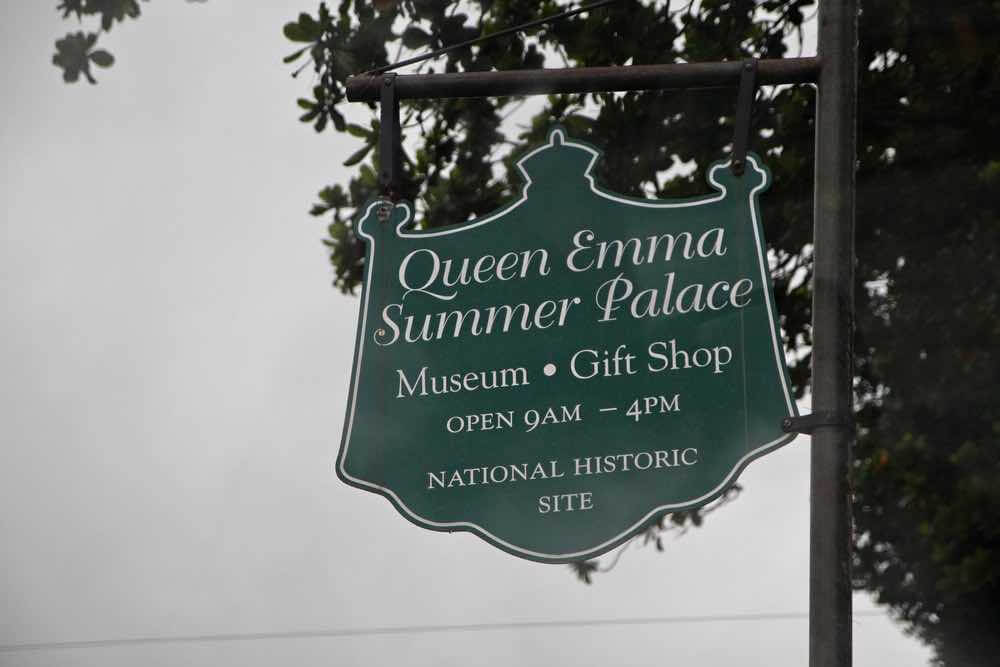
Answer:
(555, 375)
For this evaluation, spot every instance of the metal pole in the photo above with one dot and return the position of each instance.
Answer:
(833, 321)
(367, 88)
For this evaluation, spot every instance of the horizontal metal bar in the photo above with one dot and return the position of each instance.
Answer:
(367, 88)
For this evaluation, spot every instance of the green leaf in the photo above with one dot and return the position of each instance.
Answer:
(102, 58)
(305, 30)
(296, 33)
(338, 120)
(72, 56)
(358, 156)
(414, 38)
(358, 131)
(292, 57)
(308, 23)
(292, 32)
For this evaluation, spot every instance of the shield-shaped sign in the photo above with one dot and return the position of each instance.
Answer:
(556, 375)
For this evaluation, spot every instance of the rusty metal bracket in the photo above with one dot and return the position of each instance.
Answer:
(389, 150)
(808, 423)
(744, 109)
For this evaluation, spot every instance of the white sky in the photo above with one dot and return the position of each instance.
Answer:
(174, 368)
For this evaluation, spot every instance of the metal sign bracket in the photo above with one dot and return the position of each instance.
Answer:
(389, 151)
(744, 108)
(809, 423)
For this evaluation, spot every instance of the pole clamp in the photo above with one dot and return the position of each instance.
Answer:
(809, 423)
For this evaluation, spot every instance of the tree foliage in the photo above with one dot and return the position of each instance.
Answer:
(927, 469)
(76, 52)
(926, 472)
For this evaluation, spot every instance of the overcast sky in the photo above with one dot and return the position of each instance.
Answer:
(174, 369)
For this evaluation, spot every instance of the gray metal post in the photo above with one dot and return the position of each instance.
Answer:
(833, 321)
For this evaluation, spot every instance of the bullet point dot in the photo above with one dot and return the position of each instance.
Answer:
(549, 370)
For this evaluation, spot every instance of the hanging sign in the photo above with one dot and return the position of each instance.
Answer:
(555, 375)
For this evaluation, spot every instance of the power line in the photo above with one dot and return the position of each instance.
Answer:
(492, 35)
(408, 630)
